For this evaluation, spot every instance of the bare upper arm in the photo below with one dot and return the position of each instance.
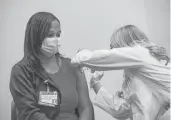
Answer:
(82, 88)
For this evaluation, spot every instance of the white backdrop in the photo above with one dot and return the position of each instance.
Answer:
(85, 24)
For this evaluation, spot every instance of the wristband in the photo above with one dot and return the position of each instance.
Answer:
(95, 83)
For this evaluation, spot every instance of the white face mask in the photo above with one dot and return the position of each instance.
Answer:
(50, 46)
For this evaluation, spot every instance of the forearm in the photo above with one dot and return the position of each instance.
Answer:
(117, 107)
(114, 59)
(29, 111)
(86, 113)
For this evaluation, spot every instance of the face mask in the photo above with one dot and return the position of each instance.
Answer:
(50, 46)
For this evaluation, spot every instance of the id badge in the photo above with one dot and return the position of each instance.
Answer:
(48, 98)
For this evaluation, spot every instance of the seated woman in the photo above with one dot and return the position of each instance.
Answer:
(44, 85)
(147, 73)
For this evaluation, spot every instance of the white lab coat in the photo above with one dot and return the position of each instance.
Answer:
(147, 80)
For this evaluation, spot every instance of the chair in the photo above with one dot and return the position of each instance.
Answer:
(13, 111)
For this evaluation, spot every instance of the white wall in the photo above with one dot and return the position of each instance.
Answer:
(158, 21)
(85, 24)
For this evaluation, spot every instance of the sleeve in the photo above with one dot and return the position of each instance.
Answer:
(23, 95)
(119, 108)
(118, 58)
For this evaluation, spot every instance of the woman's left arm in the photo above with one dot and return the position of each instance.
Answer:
(85, 108)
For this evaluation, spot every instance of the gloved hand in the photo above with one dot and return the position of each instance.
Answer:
(96, 76)
(81, 55)
(74, 59)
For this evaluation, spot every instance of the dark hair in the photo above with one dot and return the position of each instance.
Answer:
(37, 29)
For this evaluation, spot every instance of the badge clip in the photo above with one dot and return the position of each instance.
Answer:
(47, 85)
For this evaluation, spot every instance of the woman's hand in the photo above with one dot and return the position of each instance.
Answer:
(96, 76)
(74, 59)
